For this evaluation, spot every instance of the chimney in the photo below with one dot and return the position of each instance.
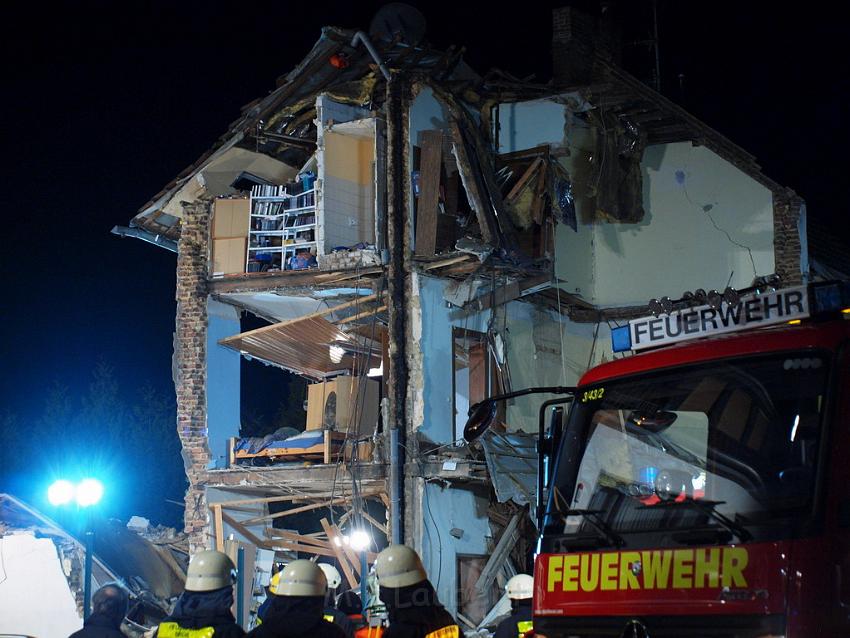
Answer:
(577, 38)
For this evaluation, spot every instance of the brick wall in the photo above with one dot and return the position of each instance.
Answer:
(189, 365)
(573, 44)
(786, 237)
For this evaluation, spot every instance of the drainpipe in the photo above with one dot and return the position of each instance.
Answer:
(396, 279)
(360, 36)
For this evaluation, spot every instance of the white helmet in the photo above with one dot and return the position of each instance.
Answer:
(210, 570)
(332, 574)
(399, 566)
(520, 587)
(299, 578)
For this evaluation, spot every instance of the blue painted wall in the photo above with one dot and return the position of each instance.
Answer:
(436, 345)
(222, 381)
(445, 508)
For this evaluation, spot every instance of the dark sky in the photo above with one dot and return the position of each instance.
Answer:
(105, 102)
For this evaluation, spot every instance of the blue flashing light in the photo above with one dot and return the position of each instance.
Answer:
(60, 492)
(831, 297)
(89, 492)
(621, 339)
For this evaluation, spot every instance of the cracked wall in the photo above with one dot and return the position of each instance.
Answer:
(707, 225)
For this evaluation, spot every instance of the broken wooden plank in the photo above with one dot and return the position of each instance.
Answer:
(446, 262)
(340, 555)
(297, 538)
(297, 510)
(499, 555)
(429, 193)
(470, 184)
(524, 181)
(219, 527)
(239, 527)
(285, 545)
(362, 315)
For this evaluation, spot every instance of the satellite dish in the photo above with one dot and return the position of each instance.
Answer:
(398, 20)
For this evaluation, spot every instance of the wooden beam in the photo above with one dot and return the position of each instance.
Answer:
(239, 527)
(429, 193)
(446, 262)
(362, 315)
(219, 527)
(297, 538)
(470, 184)
(499, 555)
(297, 510)
(282, 544)
(523, 181)
(320, 313)
(379, 526)
(340, 556)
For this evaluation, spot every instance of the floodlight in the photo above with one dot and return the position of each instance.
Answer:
(89, 492)
(360, 540)
(60, 493)
(336, 353)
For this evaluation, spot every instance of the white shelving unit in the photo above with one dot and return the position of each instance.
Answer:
(281, 224)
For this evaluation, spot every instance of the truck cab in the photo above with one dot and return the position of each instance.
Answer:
(702, 488)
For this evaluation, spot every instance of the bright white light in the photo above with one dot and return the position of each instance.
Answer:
(89, 492)
(60, 493)
(337, 541)
(360, 540)
(794, 427)
(336, 353)
(376, 372)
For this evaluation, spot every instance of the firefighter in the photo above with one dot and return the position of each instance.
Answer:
(412, 605)
(109, 606)
(203, 610)
(520, 590)
(332, 613)
(298, 598)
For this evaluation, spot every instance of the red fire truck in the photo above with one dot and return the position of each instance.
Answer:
(703, 488)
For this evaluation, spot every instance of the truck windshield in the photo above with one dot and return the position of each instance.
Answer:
(724, 445)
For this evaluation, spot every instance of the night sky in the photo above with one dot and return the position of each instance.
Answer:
(104, 103)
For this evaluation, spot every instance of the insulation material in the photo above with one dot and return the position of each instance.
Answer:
(32, 577)
(346, 172)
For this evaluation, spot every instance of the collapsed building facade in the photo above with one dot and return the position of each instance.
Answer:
(418, 237)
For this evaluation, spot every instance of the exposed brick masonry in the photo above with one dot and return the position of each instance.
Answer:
(190, 377)
(786, 237)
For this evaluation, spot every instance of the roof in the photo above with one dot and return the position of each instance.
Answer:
(276, 124)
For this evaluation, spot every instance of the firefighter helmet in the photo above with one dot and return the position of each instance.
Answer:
(300, 578)
(332, 574)
(210, 570)
(399, 566)
(520, 587)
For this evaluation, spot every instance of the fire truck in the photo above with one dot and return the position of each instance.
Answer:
(701, 486)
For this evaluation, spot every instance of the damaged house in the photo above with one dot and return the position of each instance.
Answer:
(417, 236)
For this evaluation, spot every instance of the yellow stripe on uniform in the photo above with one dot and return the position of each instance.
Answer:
(523, 627)
(452, 631)
(173, 630)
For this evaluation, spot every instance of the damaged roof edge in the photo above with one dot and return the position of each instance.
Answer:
(144, 235)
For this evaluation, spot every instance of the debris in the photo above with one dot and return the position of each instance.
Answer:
(138, 524)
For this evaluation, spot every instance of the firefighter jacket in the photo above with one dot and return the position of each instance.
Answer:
(415, 612)
(202, 615)
(296, 617)
(515, 625)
